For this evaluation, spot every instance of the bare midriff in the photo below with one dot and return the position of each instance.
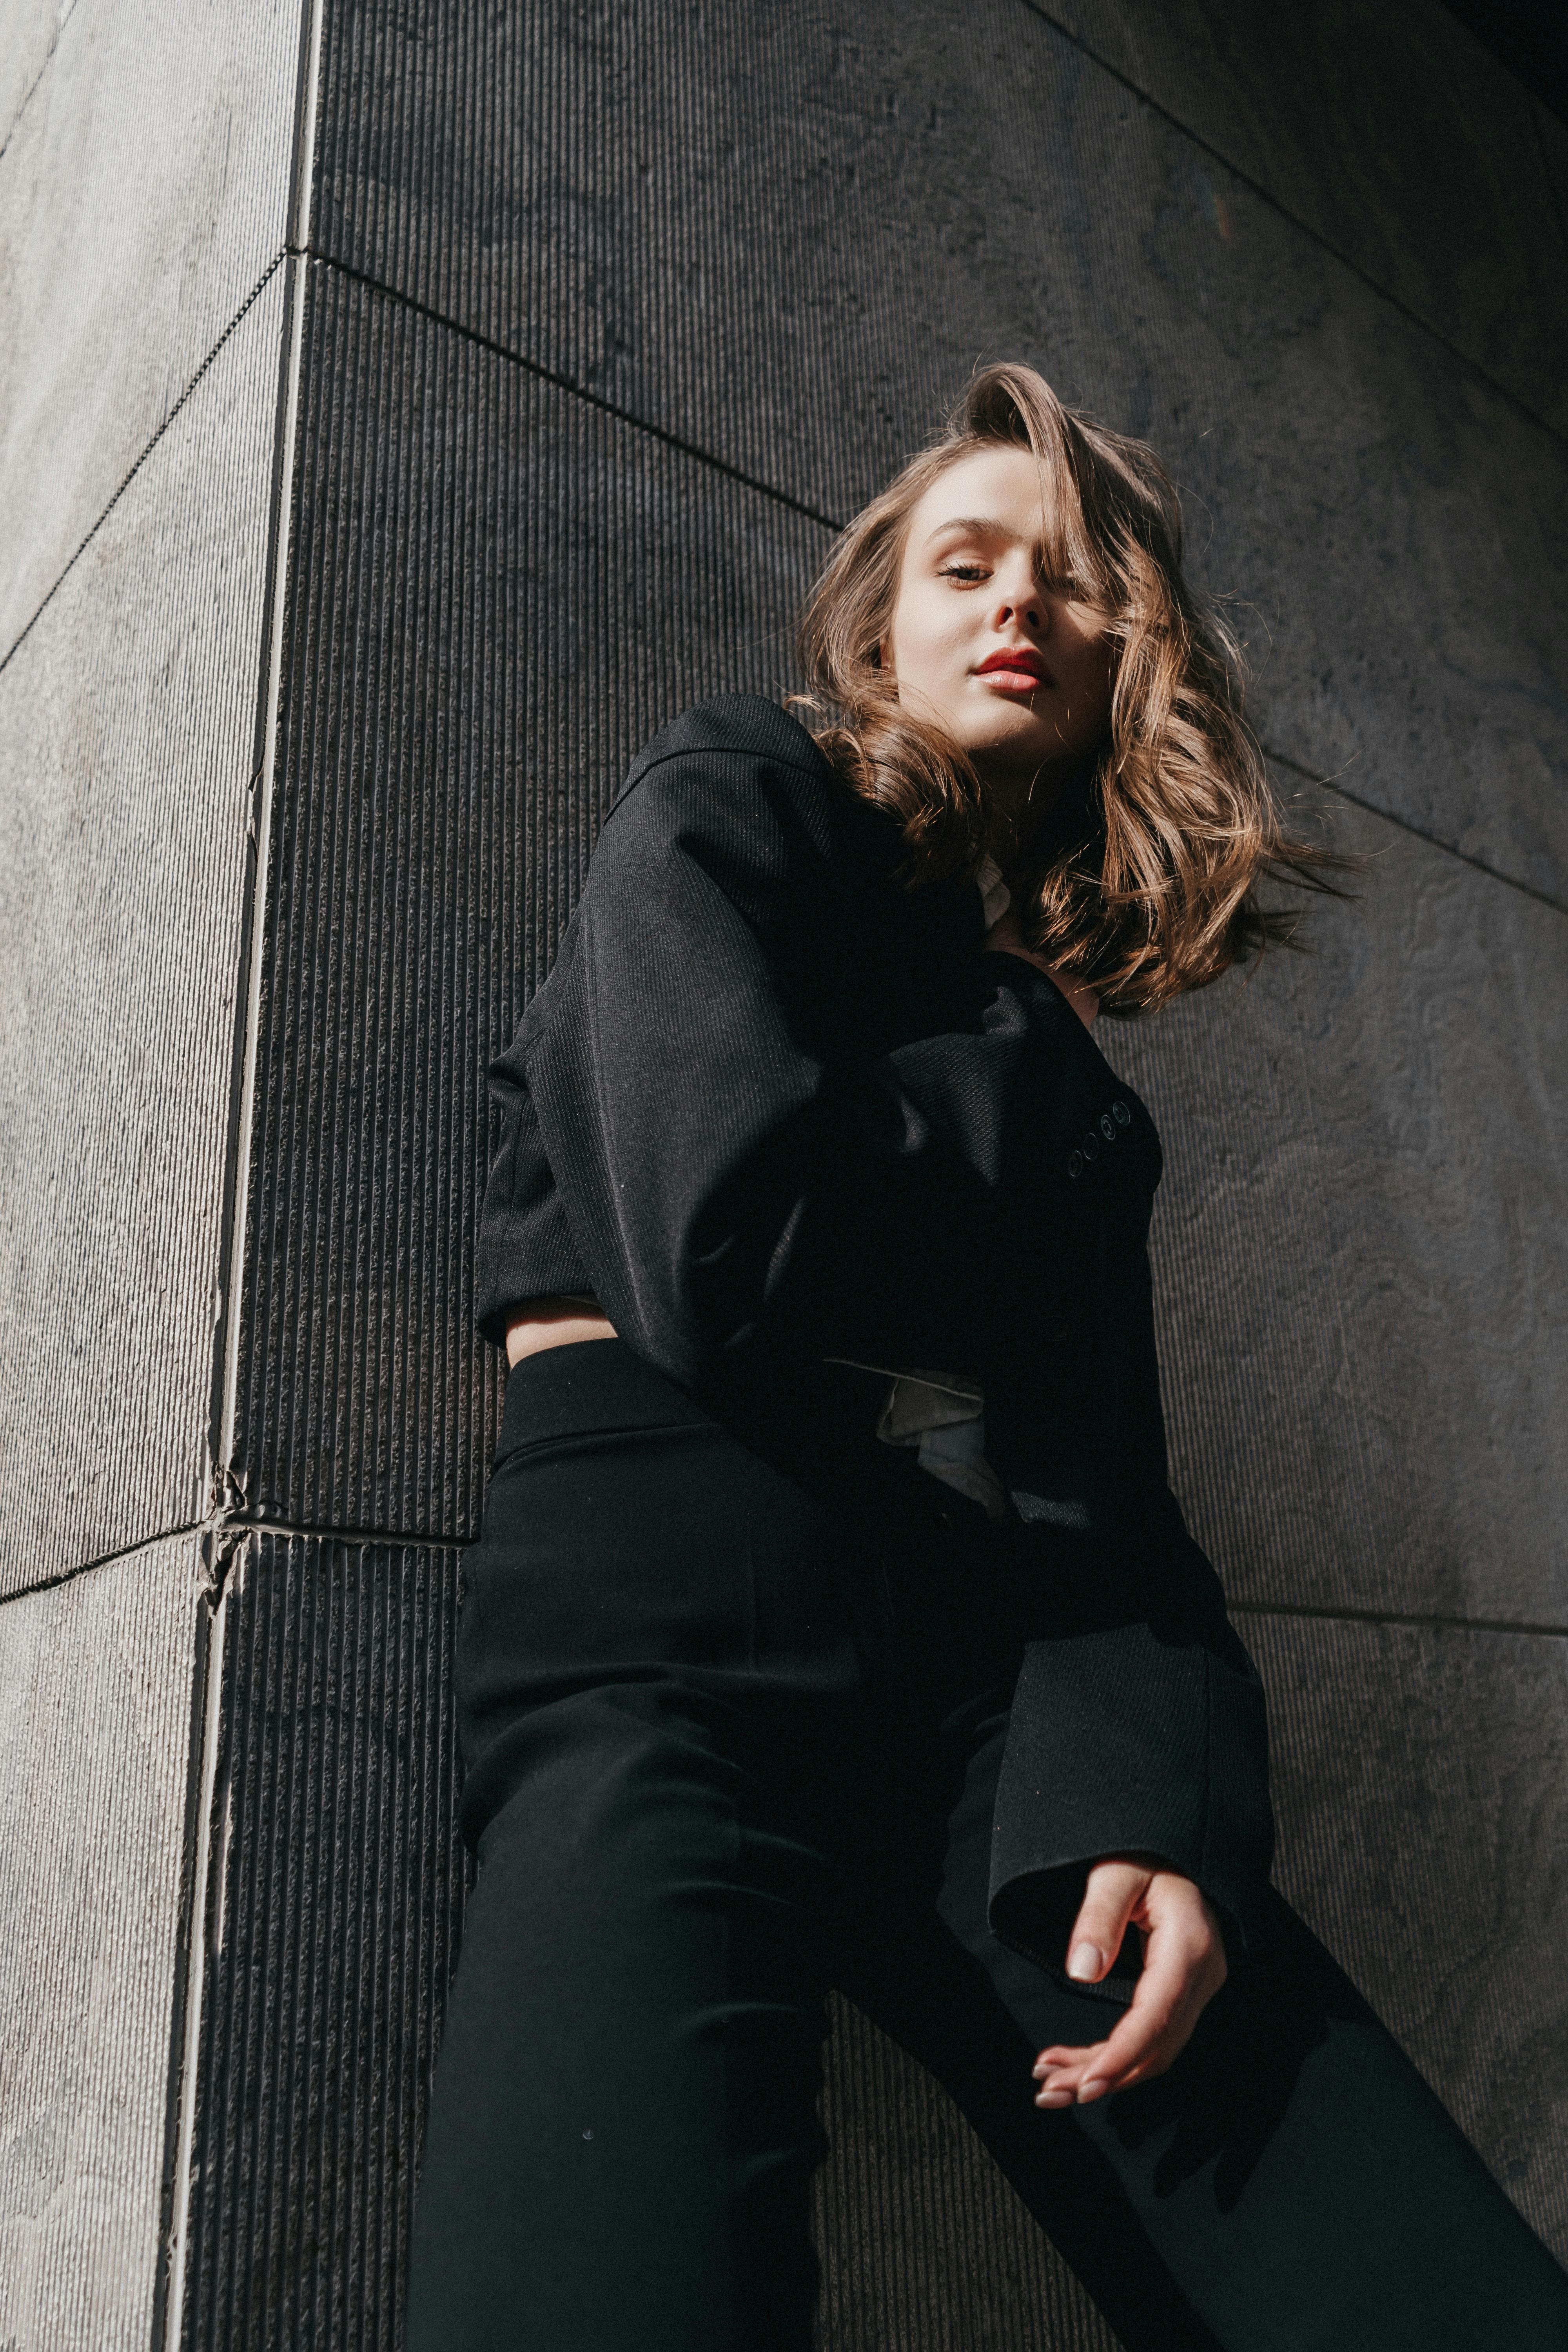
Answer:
(551, 1322)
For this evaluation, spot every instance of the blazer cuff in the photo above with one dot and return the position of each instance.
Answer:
(1121, 1742)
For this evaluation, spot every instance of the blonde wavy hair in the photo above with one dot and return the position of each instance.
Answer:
(1142, 880)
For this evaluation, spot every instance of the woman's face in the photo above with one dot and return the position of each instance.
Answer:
(1016, 667)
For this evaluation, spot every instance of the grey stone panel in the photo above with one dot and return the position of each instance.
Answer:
(1420, 1776)
(797, 272)
(33, 28)
(95, 1678)
(923, 2244)
(1390, 132)
(499, 593)
(1360, 1248)
(144, 195)
(330, 1937)
(127, 741)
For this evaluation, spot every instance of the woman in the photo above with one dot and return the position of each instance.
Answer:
(833, 1622)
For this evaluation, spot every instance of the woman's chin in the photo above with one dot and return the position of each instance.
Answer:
(1010, 741)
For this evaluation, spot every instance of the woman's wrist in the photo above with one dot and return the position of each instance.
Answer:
(552, 1321)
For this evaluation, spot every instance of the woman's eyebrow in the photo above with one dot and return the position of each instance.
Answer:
(973, 526)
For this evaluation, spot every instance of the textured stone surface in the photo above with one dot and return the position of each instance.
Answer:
(924, 2246)
(331, 1934)
(95, 1722)
(797, 273)
(1420, 1776)
(33, 28)
(499, 593)
(1385, 127)
(127, 746)
(1361, 1253)
(142, 195)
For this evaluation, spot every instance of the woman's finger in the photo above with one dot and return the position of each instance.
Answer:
(1183, 1968)
(1061, 2070)
(1113, 1892)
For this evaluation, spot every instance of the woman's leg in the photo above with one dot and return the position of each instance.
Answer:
(623, 2128)
(655, 1671)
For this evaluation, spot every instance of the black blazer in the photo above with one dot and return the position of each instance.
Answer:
(770, 1103)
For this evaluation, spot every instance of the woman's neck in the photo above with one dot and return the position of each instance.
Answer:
(1019, 804)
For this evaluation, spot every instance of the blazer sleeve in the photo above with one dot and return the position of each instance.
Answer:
(1138, 1726)
(736, 1168)
(1138, 1722)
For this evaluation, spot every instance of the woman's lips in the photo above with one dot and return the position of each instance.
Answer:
(1017, 673)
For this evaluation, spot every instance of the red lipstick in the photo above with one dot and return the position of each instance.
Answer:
(1016, 670)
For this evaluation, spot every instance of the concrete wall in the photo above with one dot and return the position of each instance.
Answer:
(145, 160)
(602, 319)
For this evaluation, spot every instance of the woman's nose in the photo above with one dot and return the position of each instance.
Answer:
(1024, 603)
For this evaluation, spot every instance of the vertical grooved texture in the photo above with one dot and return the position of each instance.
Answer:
(924, 2245)
(497, 595)
(333, 1924)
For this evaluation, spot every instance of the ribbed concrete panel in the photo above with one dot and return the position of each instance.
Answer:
(127, 736)
(1420, 1776)
(144, 195)
(96, 1680)
(1389, 131)
(1362, 1248)
(498, 594)
(787, 236)
(330, 1940)
(924, 2245)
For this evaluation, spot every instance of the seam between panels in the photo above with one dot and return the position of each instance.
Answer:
(1418, 833)
(393, 1538)
(135, 468)
(105, 1559)
(553, 376)
(1505, 391)
(186, 2027)
(835, 524)
(227, 1371)
(29, 95)
(1433, 1620)
(224, 1535)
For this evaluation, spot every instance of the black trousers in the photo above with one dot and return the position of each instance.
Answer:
(733, 1694)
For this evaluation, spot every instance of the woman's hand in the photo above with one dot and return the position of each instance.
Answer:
(1183, 1968)
(1006, 937)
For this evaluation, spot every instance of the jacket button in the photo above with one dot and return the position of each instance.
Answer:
(1075, 1164)
(1108, 1126)
(1091, 1146)
(1121, 1114)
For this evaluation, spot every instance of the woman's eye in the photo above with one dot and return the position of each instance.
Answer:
(962, 572)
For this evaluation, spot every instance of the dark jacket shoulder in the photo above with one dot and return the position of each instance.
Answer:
(737, 788)
(748, 724)
(738, 764)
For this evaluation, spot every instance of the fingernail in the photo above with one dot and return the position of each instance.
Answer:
(1048, 2098)
(1087, 2091)
(1083, 1963)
